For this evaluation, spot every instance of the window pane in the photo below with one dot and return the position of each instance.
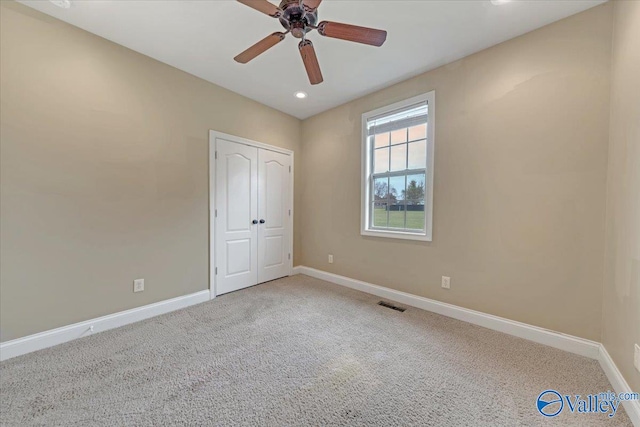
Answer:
(398, 157)
(381, 189)
(382, 140)
(415, 187)
(418, 132)
(399, 136)
(381, 160)
(396, 188)
(415, 214)
(418, 155)
(415, 201)
(397, 215)
(379, 214)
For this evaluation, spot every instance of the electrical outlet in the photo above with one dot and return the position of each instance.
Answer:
(636, 357)
(446, 282)
(330, 259)
(138, 285)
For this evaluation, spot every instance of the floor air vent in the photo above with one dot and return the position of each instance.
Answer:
(391, 306)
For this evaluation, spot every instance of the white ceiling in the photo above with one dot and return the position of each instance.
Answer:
(201, 37)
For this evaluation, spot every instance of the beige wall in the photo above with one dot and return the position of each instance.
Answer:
(621, 308)
(104, 164)
(104, 173)
(520, 177)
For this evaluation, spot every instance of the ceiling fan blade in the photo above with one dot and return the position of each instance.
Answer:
(263, 6)
(311, 4)
(352, 33)
(260, 47)
(310, 60)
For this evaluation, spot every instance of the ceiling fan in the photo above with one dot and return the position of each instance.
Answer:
(298, 17)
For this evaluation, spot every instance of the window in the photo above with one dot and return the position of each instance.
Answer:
(397, 169)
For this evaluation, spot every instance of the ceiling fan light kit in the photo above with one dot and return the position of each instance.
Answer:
(299, 17)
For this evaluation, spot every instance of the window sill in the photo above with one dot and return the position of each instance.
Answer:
(403, 235)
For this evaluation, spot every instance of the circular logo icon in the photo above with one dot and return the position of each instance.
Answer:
(550, 403)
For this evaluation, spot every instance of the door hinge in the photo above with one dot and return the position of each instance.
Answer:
(216, 155)
(289, 212)
(216, 271)
(289, 256)
(216, 213)
(289, 169)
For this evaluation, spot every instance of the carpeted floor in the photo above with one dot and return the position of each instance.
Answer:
(294, 352)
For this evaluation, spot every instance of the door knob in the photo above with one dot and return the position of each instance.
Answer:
(262, 221)
(255, 221)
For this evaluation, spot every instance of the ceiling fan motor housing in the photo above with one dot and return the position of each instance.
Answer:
(297, 18)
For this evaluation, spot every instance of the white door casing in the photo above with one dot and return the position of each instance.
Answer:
(274, 174)
(249, 181)
(237, 207)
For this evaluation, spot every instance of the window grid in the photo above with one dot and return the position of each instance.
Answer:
(405, 173)
(397, 169)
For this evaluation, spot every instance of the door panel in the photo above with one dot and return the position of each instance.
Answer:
(275, 175)
(239, 197)
(273, 206)
(237, 260)
(236, 203)
(273, 251)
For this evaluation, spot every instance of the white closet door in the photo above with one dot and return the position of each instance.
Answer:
(274, 175)
(236, 202)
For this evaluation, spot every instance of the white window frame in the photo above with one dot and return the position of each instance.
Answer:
(365, 229)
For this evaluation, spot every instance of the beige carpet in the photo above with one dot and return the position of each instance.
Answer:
(293, 352)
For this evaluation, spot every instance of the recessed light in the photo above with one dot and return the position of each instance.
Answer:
(64, 4)
(300, 94)
(499, 2)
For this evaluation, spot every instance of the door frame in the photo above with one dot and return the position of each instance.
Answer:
(212, 196)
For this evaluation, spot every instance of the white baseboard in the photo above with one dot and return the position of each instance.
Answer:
(17, 347)
(580, 346)
(619, 384)
(559, 340)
